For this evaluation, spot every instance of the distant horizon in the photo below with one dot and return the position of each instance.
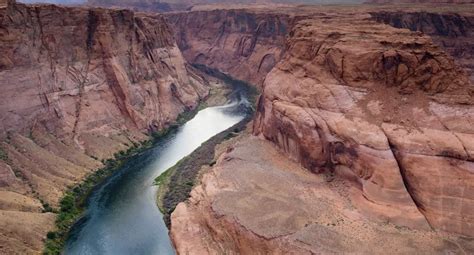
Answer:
(280, 1)
(53, 1)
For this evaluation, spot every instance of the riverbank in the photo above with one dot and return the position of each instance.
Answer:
(175, 184)
(74, 202)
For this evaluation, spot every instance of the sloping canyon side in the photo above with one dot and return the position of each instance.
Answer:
(77, 85)
(385, 114)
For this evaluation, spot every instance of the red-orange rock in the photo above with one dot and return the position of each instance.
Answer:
(244, 44)
(325, 104)
(76, 86)
(453, 32)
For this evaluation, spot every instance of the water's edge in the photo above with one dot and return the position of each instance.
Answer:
(118, 214)
(176, 183)
(74, 202)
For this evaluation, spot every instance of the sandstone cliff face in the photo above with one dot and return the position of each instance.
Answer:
(257, 201)
(384, 113)
(182, 5)
(383, 107)
(243, 43)
(77, 85)
(453, 32)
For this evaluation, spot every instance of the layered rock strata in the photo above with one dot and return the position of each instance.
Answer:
(246, 44)
(384, 107)
(77, 85)
(451, 31)
(257, 201)
(384, 113)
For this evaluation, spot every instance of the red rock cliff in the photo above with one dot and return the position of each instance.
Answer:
(246, 44)
(384, 111)
(392, 112)
(453, 32)
(77, 85)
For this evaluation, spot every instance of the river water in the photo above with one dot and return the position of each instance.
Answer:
(122, 216)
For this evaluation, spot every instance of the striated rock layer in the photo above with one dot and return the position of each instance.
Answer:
(246, 44)
(383, 111)
(453, 32)
(77, 85)
(392, 112)
(256, 201)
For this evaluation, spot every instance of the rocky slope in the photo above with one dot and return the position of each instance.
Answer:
(392, 112)
(257, 201)
(77, 85)
(383, 112)
(182, 5)
(452, 31)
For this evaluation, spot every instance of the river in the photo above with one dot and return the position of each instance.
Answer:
(122, 216)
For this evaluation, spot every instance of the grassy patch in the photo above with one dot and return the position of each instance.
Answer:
(163, 182)
(73, 203)
(3, 155)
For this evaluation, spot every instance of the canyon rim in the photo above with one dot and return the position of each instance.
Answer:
(361, 142)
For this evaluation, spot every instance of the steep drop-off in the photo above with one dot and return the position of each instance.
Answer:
(182, 5)
(384, 113)
(451, 31)
(77, 85)
(392, 112)
(246, 44)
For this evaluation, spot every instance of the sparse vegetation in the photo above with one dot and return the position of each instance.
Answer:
(177, 182)
(3, 155)
(73, 203)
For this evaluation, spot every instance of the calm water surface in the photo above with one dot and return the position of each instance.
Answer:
(122, 216)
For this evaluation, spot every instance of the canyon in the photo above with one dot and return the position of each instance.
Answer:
(78, 85)
(385, 114)
(362, 141)
(185, 5)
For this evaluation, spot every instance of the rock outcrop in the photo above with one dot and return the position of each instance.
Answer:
(246, 44)
(452, 31)
(257, 201)
(77, 85)
(384, 111)
(392, 112)
(182, 5)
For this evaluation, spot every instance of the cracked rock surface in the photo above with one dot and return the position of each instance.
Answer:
(257, 201)
(385, 112)
(77, 85)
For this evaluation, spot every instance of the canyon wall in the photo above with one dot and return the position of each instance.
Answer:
(453, 32)
(245, 44)
(182, 5)
(391, 112)
(77, 85)
(384, 113)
